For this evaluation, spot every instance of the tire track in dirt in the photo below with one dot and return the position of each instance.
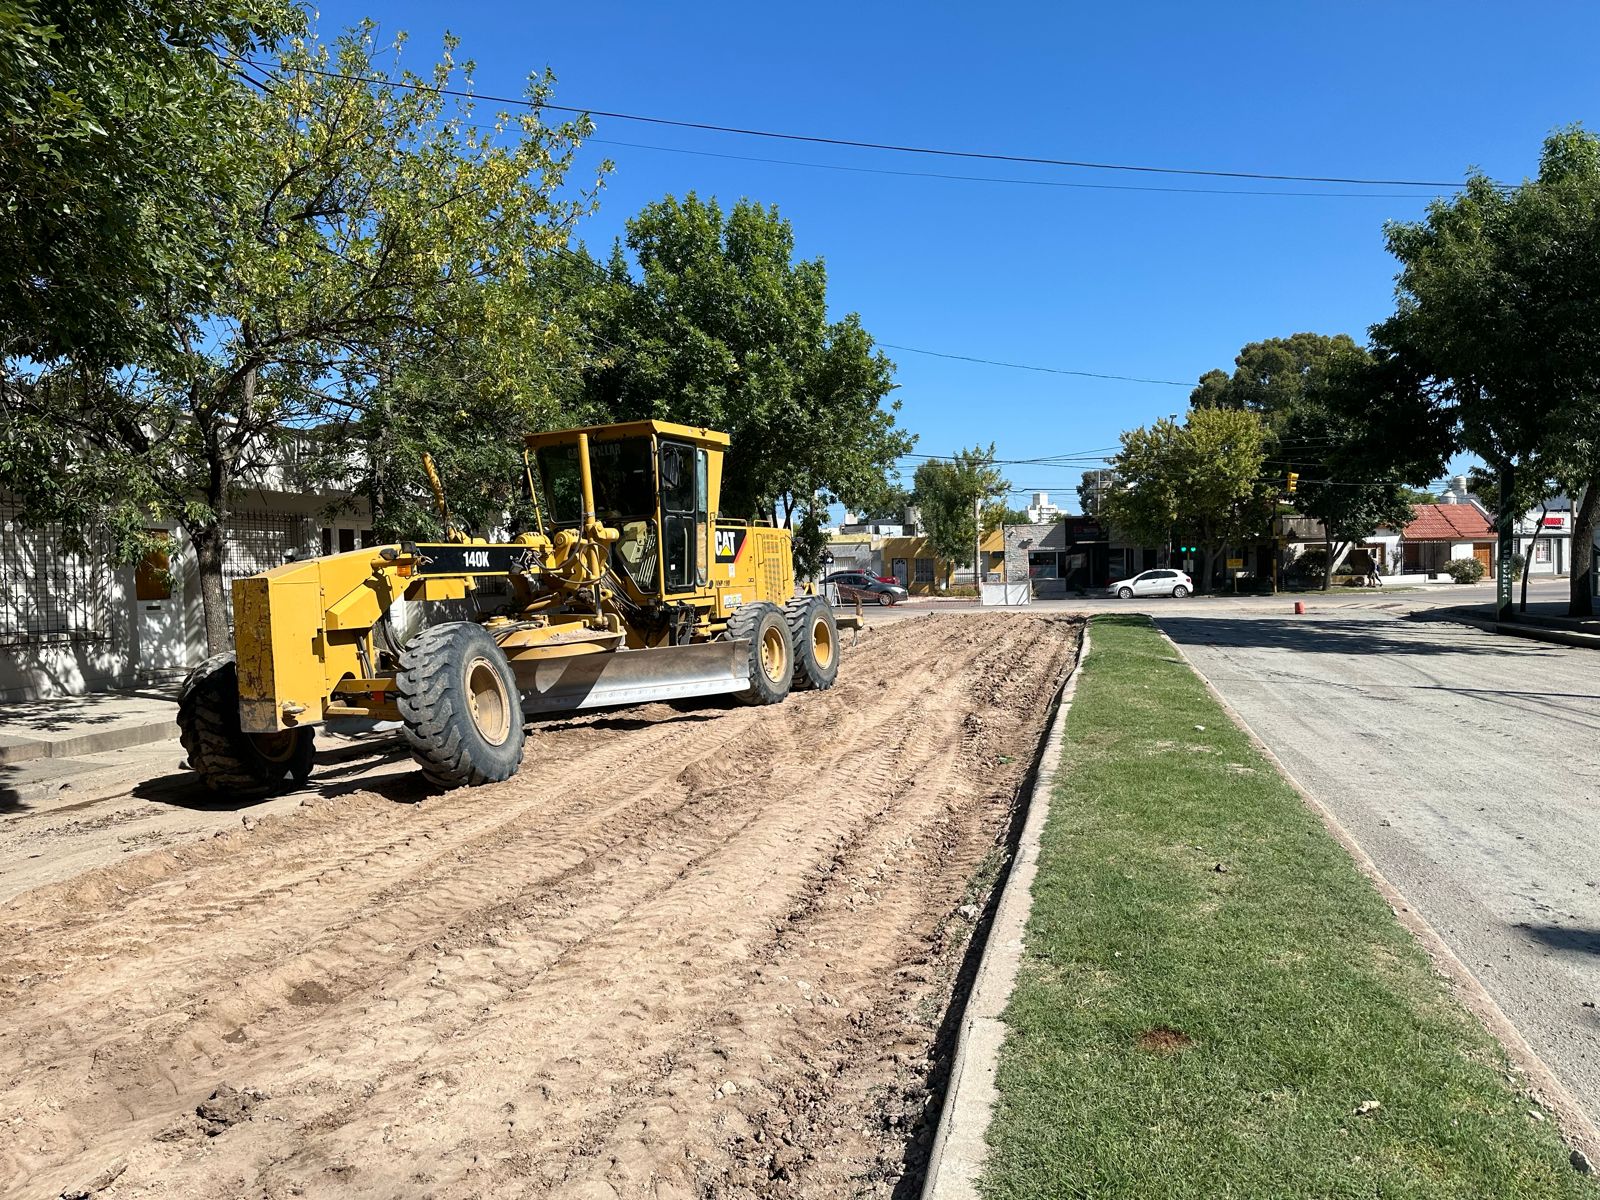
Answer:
(673, 957)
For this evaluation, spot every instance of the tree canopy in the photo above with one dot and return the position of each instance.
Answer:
(110, 167)
(957, 498)
(715, 322)
(1494, 347)
(1200, 481)
(372, 242)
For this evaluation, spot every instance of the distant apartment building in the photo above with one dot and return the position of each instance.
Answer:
(1041, 511)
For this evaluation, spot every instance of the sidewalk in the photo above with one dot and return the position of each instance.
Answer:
(73, 726)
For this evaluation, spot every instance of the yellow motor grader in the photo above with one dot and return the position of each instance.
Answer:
(629, 588)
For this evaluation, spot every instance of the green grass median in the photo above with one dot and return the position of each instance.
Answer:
(1214, 1002)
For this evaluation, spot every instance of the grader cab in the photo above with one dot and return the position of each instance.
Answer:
(629, 587)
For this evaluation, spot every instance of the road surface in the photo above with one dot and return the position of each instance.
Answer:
(686, 952)
(1467, 766)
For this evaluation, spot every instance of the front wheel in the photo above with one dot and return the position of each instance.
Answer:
(1124, 593)
(1179, 592)
(461, 708)
(225, 757)
(770, 658)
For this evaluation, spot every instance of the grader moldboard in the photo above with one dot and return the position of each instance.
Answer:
(636, 591)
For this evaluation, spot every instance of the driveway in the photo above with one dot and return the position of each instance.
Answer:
(1468, 767)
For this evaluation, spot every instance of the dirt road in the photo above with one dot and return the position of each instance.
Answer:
(682, 954)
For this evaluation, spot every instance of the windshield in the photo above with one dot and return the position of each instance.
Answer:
(624, 481)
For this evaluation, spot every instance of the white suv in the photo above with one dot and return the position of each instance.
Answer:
(1161, 582)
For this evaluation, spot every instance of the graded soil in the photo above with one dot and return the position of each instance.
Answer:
(689, 951)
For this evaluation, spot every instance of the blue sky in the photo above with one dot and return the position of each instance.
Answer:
(1156, 284)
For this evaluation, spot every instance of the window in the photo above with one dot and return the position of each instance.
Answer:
(624, 480)
(48, 592)
(924, 570)
(683, 506)
(1043, 565)
(1541, 550)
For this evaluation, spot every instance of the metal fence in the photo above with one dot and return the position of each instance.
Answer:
(48, 592)
(257, 541)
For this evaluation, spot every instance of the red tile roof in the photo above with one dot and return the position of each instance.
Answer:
(1447, 523)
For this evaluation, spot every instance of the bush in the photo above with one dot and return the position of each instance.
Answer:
(1464, 570)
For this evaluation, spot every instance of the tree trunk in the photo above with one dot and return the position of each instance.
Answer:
(1580, 601)
(207, 544)
(1327, 564)
(1533, 546)
(1208, 562)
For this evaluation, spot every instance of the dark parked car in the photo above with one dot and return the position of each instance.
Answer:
(866, 587)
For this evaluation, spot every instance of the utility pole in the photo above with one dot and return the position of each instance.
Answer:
(1506, 526)
(977, 545)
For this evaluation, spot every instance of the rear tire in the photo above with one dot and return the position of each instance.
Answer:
(225, 757)
(1179, 592)
(461, 706)
(814, 635)
(771, 654)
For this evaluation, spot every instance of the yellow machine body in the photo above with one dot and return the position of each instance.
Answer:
(620, 593)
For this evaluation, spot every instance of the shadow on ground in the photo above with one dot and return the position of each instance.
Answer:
(1569, 939)
(1347, 636)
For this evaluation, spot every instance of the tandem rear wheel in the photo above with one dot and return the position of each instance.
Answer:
(814, 634)
(770, 661)
(460, 706)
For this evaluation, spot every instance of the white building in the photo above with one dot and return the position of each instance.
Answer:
(70, 624)
(1041, 511)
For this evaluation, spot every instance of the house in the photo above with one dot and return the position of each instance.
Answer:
(1438, 533)
(1544, 537)
(913, 562)
(1071, 554)
(70, 624)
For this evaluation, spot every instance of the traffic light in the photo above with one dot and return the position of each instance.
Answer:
(1294, 481)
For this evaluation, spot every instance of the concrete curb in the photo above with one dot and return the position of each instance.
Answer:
(959, 1143)
(20, 749)
(1573, 1122)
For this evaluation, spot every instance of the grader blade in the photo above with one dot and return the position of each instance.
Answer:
(621, 677)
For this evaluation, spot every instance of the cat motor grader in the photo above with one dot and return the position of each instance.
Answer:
(629, 588)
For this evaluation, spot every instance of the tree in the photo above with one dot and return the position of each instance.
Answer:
(1499, 346)
(1298, 385)
(998, 515)
(1273, 377)
(1199, 480)
(367, 228)
(955, 494)
(715, 323)
(107, 152)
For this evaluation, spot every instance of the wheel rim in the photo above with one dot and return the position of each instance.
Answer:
(487, 702)
(275, 748)
(822, 643)
(774, 652)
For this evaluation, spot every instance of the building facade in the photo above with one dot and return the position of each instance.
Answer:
(71, 624)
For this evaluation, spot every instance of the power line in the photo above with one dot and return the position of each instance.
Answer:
(1048, 183)
(852, 143)
(990, 362)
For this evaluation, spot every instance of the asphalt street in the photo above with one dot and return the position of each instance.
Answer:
(1468, 767)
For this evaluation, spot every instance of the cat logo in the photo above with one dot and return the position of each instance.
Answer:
(477, 559)
(729, 543)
